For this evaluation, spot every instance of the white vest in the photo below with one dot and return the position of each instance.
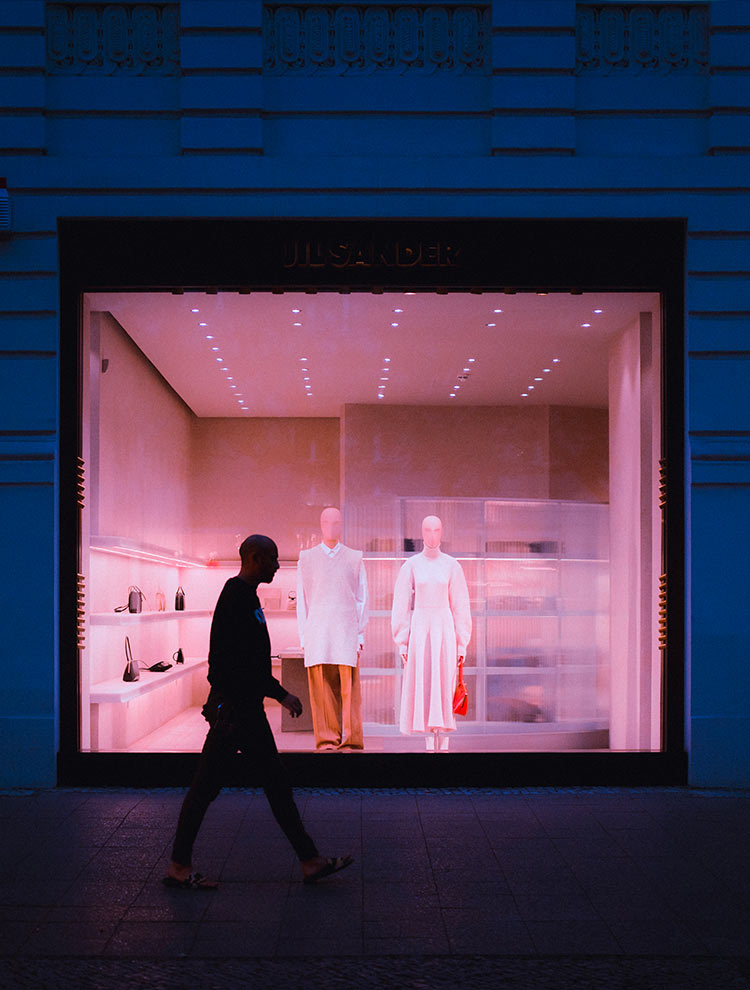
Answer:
(329, 616)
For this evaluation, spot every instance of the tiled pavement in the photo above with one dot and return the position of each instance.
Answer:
(600, 888)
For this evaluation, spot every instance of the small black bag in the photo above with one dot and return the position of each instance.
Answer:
(179, 600)
(136, 599)
(132, 673)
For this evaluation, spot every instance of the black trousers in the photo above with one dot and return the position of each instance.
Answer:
(251, 735)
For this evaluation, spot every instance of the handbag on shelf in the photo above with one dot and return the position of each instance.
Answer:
(460, 695)
(136, 599)
(179, 600)
(132, 672)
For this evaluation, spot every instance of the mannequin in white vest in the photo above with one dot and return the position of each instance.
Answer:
(331, 616)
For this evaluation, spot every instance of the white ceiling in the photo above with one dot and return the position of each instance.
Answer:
(345, 339)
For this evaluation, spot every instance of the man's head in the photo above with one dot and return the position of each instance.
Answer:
(260, 559)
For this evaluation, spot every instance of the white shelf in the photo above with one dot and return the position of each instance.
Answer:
(122, 547)
(136, 618)
(118, 691)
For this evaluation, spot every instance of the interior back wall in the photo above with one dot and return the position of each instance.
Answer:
(480, 452)
(261, 475)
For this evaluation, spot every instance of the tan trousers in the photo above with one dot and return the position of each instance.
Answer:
(336, 703)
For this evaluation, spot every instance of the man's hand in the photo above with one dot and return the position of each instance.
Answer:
(293, 705)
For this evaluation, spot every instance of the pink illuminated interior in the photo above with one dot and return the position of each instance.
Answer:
(528, 423)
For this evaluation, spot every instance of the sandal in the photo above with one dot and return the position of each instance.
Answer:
(331, 865)
(196, 881)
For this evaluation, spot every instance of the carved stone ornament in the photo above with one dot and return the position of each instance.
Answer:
(642, 37)
(349, 38)
(112, 38)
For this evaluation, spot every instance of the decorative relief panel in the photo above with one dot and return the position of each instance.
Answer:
(313, 39)
(642, 37)
(113, 38)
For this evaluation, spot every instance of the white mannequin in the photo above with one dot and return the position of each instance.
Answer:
(331, 616)
(432, 636)
(330, 530)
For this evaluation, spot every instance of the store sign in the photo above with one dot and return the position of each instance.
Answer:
(370, 254)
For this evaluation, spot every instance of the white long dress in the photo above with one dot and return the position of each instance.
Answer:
(431, 623)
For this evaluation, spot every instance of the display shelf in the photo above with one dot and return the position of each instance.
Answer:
(547, 559)
(136, 618)
(123, 547)
(118, 691)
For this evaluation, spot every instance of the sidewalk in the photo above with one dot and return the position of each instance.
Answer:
(578, 887)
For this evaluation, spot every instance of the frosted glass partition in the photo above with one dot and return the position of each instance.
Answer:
(538, 577)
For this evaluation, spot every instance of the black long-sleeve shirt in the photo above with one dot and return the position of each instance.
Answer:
(239, 658)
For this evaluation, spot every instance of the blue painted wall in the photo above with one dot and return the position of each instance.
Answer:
(531, 109)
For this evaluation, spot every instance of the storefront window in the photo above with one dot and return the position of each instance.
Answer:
(529, 423)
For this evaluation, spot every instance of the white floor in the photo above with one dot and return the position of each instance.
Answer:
(185, 734)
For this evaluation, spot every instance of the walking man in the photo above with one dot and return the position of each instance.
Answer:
(239, 672)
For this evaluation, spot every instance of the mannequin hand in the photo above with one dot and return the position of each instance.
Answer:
(293, 705)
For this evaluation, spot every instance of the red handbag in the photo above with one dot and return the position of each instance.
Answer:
(460, 695)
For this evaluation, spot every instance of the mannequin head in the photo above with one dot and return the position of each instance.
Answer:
(330, 526)
(432, 531)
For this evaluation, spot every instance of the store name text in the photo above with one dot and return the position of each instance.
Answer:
(369, 254)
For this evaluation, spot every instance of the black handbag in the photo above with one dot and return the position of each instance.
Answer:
(179, 600)
(136, 599)
(132, 673)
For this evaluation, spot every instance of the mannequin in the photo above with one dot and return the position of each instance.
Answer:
(331, 617)
(432, 636)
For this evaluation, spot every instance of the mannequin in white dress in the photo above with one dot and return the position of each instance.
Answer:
(331, 617)
(431, 624)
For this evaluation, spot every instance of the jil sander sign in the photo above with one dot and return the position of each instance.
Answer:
(370, 254)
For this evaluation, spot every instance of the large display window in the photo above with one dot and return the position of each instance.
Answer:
(529, 423)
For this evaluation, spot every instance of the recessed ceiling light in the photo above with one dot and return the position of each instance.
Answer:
(555, 360)
(195, 311)
(530, 388)
(384, 378)
(472, 360)
(398, 311)
(492, 324)
(209, 336)
(386, 359)
(202, 324)
(214, 348)
(598, 311)
(296, 310)
(524, 395)
(219, 359)
(545, 370)
(467, 369)
(296, 324)
(306, 378)
(537, 379)
(497, 311)
(304, 359)
(453, 395)
(394, 324)
(233, 386)
(309, 395)
(585, 324)
(457, 386)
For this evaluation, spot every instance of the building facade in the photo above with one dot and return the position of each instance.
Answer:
(543, 153)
